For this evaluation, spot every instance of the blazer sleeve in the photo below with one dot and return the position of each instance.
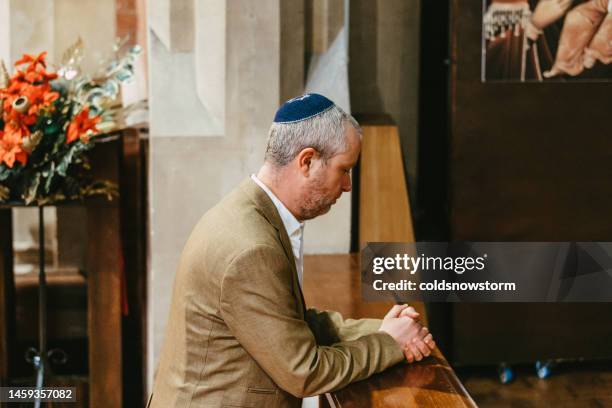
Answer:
(258, 305)
(330, 327)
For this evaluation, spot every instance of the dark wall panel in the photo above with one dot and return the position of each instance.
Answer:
(527, 162)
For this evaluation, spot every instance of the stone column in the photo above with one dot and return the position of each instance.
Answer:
(384, 69)
(325, 19)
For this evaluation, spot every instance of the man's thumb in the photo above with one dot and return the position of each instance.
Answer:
(395, 311)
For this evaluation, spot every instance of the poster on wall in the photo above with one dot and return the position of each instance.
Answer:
(547, 40)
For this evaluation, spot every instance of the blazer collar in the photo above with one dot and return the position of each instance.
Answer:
(264, 203)
(269, 211)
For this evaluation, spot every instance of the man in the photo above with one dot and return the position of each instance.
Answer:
(239, 334)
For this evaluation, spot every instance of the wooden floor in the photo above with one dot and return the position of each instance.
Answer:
(571, 385)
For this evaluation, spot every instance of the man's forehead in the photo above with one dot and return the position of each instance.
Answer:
(353, 146)
(353, 138)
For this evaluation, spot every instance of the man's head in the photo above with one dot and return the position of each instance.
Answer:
(311, 158)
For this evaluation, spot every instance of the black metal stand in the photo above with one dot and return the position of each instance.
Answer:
(40, 358)
(41, 363)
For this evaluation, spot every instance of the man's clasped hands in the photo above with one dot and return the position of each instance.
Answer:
(402, 323)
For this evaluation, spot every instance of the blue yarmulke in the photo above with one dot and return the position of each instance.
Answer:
(302, 107)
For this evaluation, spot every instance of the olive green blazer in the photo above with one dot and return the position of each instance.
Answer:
(239, 334)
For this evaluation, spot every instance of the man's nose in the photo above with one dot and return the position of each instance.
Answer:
(346, 183)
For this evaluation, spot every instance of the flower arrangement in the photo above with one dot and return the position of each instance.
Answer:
(49, 120)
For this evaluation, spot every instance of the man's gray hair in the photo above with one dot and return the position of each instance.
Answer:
(323, 132)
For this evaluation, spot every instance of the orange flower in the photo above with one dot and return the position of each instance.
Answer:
(82, 126)
(15, 130)
(11, 93)
(10, 150)
(39, 76)
(16, 124)
(33, 61)
(35, 72)
(39, 96)
(32, 83)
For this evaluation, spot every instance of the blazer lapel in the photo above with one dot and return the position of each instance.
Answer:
(265, 204)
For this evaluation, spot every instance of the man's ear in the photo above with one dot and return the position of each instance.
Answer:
(305, 160)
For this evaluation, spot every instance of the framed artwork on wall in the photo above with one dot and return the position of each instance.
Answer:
(546, 40)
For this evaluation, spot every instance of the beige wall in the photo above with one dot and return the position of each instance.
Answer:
(31, 26)
(93, 20)
(35, 26)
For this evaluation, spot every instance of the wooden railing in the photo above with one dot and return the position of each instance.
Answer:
(332, 282)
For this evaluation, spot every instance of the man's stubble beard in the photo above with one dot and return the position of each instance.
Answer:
(316, 202)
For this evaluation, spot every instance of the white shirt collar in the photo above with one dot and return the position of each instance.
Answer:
(292, 225)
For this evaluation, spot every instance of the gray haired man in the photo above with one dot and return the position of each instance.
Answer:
(239, 333)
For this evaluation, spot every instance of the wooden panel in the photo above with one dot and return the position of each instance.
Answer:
(489, 333)
(7, 289)
(528, 162)
(333, 282)
(104, 306)
(134, 238)
(104, 265)
(66, 308)
(384, 205)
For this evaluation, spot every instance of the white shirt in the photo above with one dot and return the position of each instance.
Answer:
(295, 229)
